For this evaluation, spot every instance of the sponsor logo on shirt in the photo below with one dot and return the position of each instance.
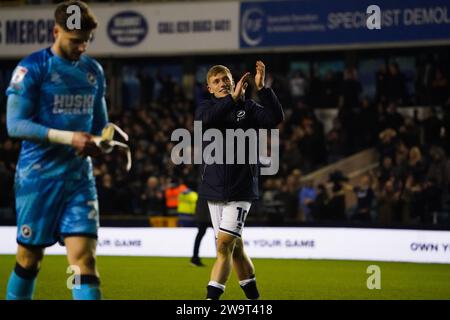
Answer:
(240, 115)
(73, 104)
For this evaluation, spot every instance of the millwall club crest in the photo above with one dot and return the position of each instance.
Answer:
(25, 231)
(240, 115)
(91, 78)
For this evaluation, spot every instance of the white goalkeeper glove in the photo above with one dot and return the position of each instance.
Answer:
(106, 143)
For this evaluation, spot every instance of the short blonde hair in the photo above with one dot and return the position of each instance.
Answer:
(216, 70)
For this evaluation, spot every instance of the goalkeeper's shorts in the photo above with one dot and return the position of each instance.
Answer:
(49, 210)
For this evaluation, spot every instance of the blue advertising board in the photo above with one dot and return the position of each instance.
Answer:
(343, 22)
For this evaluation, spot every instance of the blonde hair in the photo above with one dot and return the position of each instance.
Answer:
(216, 70)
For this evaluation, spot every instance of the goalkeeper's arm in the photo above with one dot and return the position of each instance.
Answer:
(19, 121)
(20, 124)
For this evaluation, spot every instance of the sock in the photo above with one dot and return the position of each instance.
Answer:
(249, 287)
(88, 289)
(21, 283)
(214, 290)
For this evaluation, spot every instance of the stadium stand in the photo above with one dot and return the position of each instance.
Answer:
(411, 150)
(336, 109)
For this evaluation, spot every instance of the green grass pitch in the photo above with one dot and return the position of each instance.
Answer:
(153, 278)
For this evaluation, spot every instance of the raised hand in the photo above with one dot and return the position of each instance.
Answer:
(240, 87)
(260, 74)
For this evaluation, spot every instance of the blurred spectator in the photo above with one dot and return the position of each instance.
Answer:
(386, 171)
(439, 88)
(187, 201)
(289, 195)
(312, 144)
(316, 91)
(438, 169)
(153, 198)
(414, 200)
(388, 203)
(171, 192)
(307, 196)
(147, 88)
(329, 91)
(203, 220)
(433, 194)
(272, 200)
(366, 125)
(336, 207)
(409, 132)
(437, 179)
(387, 145)
(394, 120)
(107, 195)
(336, 142)
(416, 166)
(319, 207)
(291, 156)
(446, 123)
(401, 158)
(351, 89)
(349, 102)
(396, 84)
(432, 127)
(381, 84)
(297, 86)
(365, 199)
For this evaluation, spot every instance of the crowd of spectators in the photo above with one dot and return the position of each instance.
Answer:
(410, 185)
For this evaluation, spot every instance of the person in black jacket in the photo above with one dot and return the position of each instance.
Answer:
(230, 188)
(203, 222)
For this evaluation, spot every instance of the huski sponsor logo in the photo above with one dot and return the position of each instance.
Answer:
(73, 104)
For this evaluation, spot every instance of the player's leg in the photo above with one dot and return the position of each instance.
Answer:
(238, 211)
(22, 280)
(81, 255)
(241, 262)
(78, 229)
(245, 271)
(201, 230)
(228, 222)
(38, 203)
(215, 289)
(222, 266)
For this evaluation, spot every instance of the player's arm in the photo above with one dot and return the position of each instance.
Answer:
(23, 92)
(270, 112)
(100, 117)
(20, 124)
(212, 112)
(19, 114)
